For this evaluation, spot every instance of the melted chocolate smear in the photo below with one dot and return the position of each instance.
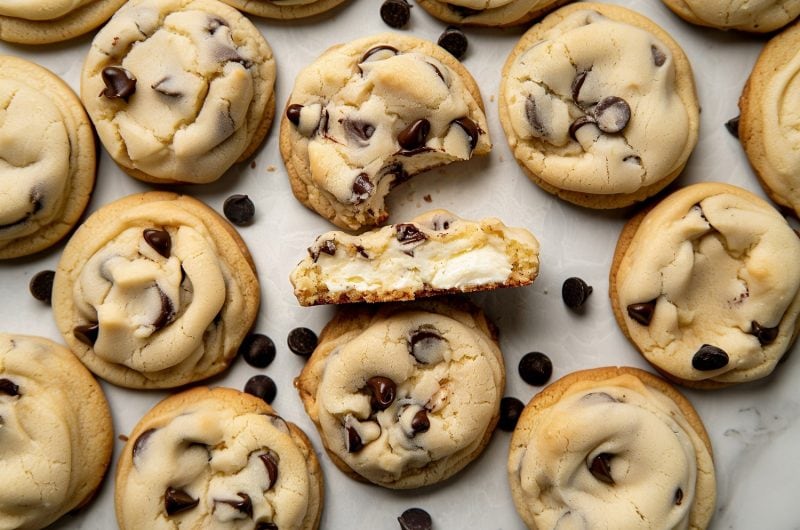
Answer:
(633, 159)
(176, 501)
(578, 123)
(471, 129)
(414, 136)
(245, 505)
(764, 335)
(577, 84)
(532, 115)
(709, 358)
(215, 23)
(8, 387)
(362, 188)
(160, 240)
(600, 396)
(439, 73)
(293, 113)
(422, 341)
(353, 441)
(87, 334)
(659, 57)
(167, 311)
(372, 51)
(270, 461)
(162, 87)
(264, 525)
(328, 247)
(408, 233)
(600, 468)
(359, 130)
(678, 497)
(120, 83)
(382, 392)
(642, 313)
(420, 422)
(399, 172)
(141, 441)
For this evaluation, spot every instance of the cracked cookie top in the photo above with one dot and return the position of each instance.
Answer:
(611, 448)
(707, 285)
(179, 90)
(217, 458)
(408, 396)
(155, 290)
(371, 113)
(599, 121)
(760, 16)
(488, 12)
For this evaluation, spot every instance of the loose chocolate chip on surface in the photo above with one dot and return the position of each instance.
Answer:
(415, 519)
(409, 233)
(454, 41)
(600, 468)
(423, 343)
(245, 505)
(578, 123)
(764, 335)
(535, 368)
(8, 387)
(395, 13)
(120, 83)
(574, 292)
(160, 240)
(420, 423)
(709, 358)
(176, 501)
(141, 441)
(510, 410)
(87, 334)
(733, 126)
(239, 209)
(293, 113)
(271, 463)
(302, 341)
(471, 129)
(362, 188)
(612, 114)
(261, 386)
(659, 57)
(167, 311)
(678, 497)
(414, 136)
(642, 313)
(382, 390)
(257, 350)
(353, 440)
(41, 286)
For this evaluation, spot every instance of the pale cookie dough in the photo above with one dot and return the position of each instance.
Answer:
(599, 107)
(179, 90)
(47, 158)
(56, 435)
(769, 127)
(707, 285)
(371, 113)
(498, 13)
(155, 290)
(47, 21)
(405, 395)
(434, 253)
(284, 9)
(758, 16)
(217, 458)
(612, 448)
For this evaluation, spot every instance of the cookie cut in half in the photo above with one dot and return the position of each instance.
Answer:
(599, 107)
(435, 253)
(179, 90)
(217, 458)
(371, 113)
(56, 435)
(44, 22)
(284, 9)
(498, 13)
(155, 290)
(706, 285)
(756, 17)
(611, 448)
(405, 395)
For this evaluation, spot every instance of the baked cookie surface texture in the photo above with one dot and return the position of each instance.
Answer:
(760, 16)
(489, 12)
(284, 9)
(47, 21)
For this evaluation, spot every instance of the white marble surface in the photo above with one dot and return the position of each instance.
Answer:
(754, 428)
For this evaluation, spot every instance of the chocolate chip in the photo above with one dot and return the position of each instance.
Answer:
(382, 392)
(532, 115)
(270, 461)
(633, 159)
(159, 240)
(377, 49)
(328, 247)
(293, 113)
(353, 441)
(362, 252)
(454, 41)
(408, 233)
(361, 131)
(163, 87)
(733, 126)
(600, 468)
(642, 313)
(612, 114)
(659, 57)
(8, 387)
(120, 83)
(510, 410)
(239, 209)
(176, 501)
(535, 368)
(265, 525)
(302, 341)
(577, 84)
(709, 358)
(678, 497)
(415, 519)
(578, 123)
(423, 343)
(764, 335)
(471, 129)
(257, 350)
(141, 441)
(41, 286)
(395, 13)
(261, 386)
(414, 136)
(362, 188)
(420, 422)
(87, 333)
(574, 292)
(245, 505)
(167, 311)
(215, 23)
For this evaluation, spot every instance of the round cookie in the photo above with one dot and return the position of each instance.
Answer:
(284, 9)
(706, 285)
(44, 22)
(759, 16)
(47, 158)
(370, 114)
(497, 13)
(599, 124)
(405, 395)
(217, 458)
(179, 90)
(56, 435)
(155, 290)
(611, 448)
(769, 126)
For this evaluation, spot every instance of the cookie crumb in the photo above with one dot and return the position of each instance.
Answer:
(253, 164)
(271, 168)
(122, 438)
(427, 198)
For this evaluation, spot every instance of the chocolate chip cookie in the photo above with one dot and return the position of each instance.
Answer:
(38, 22)
(599, 107)
(405, 395)
(284, 9)
(760, 16)
(371, 113)
(155, 290)
(498, 13)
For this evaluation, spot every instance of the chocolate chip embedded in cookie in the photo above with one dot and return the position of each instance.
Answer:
(611, 448)
(707, 285)
(37, 22)
(762, 16)
(369, 114)
(435, 253)
(404, 395)
(155, 290)
(284, 9)
(179, 90)
(217, 458)
(489, 12)
(599, 106)
(56, 435)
